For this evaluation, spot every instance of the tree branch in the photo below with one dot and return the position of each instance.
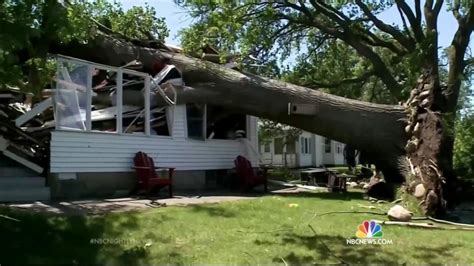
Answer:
(394, 32)
(456, 60)
(456, 7)
(415, 20)
(469, 61)
(429, 4)
(380, 67)
(349, 36)
(361, 78)
(329, 8)
(431, 57)
(418, 12)
(437, 7)
(405, 25)
(431, 14)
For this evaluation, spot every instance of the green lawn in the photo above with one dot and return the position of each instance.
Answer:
(261, 231)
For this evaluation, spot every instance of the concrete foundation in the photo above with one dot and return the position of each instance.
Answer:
(87, 185)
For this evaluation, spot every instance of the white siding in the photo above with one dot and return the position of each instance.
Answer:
(251, 148)
(328, 157)
(305, 159)
(318, 150)
(339, 157)
(278, 159)
(106, 152)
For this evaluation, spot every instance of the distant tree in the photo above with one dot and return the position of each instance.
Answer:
(29, 30)
(464, 146)
(464, 141)
(269, 130)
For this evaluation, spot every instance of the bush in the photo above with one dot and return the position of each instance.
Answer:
(464, 147)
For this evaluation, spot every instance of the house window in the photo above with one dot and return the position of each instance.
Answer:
(327, 145)
(278, 145)
(338, 148)
(291, 147)
(195, 120)
(223, 124)
(214, 122)
(266, 147)
(78, 82)
(305, 145)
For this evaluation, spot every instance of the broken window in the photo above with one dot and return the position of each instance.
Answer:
(214, 122)
(160, 121)
(195, 120)
(134, 120)
(70, 96)
(76, 108)
(103, 117)
(224, 124)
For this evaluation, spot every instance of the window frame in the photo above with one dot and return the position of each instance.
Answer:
(91, 66)
(205, 139)
(267, 145)
(275, 146)
(327, 145)
(305, 145)
(204, 121)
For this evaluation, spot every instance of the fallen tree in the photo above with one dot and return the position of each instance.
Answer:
(379, 128)
(411, 143)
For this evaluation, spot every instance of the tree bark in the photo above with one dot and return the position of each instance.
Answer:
(383, 131)
(377, 128)
(428, 151)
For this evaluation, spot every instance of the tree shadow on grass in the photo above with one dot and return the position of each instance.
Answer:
(430, 255)
(346, 196)
(71, 240)
(213, 210)
(334, 249)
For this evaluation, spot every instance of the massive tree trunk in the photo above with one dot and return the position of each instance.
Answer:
(381, 130)
(429, 149)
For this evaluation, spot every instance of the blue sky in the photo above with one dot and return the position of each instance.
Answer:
(177, 19)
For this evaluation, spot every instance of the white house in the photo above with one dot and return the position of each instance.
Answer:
(92, 147)
(309, 150)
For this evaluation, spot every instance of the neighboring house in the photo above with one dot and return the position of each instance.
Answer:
(92, 149)
(309, 150)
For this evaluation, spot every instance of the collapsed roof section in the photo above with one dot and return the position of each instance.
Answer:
(77, 98)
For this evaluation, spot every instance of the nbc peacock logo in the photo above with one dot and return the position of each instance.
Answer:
(369, 229)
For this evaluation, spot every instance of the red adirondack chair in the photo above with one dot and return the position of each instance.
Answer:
(147, 178)
(248, 176)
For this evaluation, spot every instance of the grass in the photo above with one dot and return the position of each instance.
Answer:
(283, 174)
(343, 169)
(261, 231)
